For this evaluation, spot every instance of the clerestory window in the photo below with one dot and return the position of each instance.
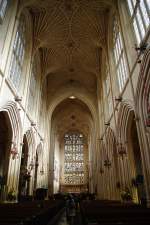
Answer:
(140, 15)
(107, 91)
(18, 53)
(32, 88)
(119, 55)
(74, 159)
(3, 6)
(107, 82)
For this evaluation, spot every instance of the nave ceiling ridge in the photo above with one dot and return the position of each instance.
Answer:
(70, 36)
(73, 32)
(72, 115)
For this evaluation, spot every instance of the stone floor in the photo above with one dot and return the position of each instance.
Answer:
(74, 220)
(63, 220)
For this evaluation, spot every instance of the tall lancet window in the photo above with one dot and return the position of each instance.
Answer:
(17, 58)
(140, 16)
(74, 158)
(3, 6)
(107, 91)
(119, 54)
(32, 88)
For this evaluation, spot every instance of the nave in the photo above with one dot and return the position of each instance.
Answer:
(74, 112)
(75, 220)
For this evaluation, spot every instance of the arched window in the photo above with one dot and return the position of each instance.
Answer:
(41, 111)
(140, 16)
(107, 91)
(32, 88)
(3, 6)
(18, 52)
(74, 159)
(107, 81)
(120, 59)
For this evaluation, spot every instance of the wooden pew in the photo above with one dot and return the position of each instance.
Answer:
(112, 213)
(29, 213)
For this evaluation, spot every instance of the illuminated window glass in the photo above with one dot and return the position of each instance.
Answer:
(120, 59)
(17, 57)
(108, 93)
(110, 109)
(3, 6)
(107, 81)
(74, 159)
(32, 88)
(140, 14)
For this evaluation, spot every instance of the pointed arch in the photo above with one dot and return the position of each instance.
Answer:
(143, 91)
(30, 137)
(143, 112)
(11, 113)
(110, 140)
(126, 114)
(11, 109)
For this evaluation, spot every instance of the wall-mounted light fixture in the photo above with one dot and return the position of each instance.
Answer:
(14, 151)
(107, 123)
(118, 99)
(41, 139)
(141, 48)
(42, 171)
(107, 163)
(18, 98)
(31, 165)
(33, 124)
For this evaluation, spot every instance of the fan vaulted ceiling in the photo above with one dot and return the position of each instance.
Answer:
(70, 35)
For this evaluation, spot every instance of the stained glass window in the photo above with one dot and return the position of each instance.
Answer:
(74, 159)
(3, 6)
(120, 59)
(18, 52)
(140, 15)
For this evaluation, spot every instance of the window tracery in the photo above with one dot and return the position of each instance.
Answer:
(140, 15)
(3, 6)
(108, 92)
(74, 159)
(32, 88)
(107, 81)
(18, 53)
(119, 55)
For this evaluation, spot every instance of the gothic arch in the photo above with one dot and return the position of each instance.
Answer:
(110, 140)
(111, 149)
(40, 169)
(83, 96)
(11, 113)
(11, 109)
(30, 139)
(129, 148)
(143, 114)
(125, 115)
(143, 91)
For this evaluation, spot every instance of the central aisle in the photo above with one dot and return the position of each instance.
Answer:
(74, 220)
